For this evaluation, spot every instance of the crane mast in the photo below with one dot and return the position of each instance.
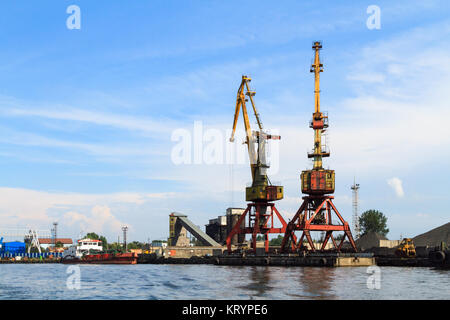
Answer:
(319, 122)
(318, 180)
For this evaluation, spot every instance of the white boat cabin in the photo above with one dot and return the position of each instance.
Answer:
(84, 246)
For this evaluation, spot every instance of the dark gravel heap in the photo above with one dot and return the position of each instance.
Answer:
(434, 237)
(369, 240)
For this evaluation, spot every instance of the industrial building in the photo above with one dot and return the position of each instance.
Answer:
(179, 226)
(220, 228)
(50, 243)
(179, 244)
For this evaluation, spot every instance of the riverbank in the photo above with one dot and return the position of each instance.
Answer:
(25, 261)
(315, 260)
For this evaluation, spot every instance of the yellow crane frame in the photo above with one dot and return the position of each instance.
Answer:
(260, 189)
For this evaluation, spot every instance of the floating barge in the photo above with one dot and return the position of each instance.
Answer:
(391, 261)
(104, 258)
(326, 260)
(311, 259)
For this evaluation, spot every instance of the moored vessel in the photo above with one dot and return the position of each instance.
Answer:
(102, 258)
(89, 251)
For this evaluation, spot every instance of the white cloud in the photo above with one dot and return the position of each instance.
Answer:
(35, 140)
(396, 185)
(423, 215)
(13, 107)
(99, 220)
(24, 208)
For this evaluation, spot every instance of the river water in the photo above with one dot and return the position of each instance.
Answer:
(56, 281)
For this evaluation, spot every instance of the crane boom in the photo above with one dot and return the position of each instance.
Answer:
(240, 101)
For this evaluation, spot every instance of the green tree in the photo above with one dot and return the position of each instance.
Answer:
(92, 235)
(276, 241)
(338, 237)
(373, 221)
(104, 242)
(115, 247)
(135, 245)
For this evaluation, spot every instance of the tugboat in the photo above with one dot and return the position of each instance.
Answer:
(82, 254)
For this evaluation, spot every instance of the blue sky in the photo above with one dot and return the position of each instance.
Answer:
(87, 115)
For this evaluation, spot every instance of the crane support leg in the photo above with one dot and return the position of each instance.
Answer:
(315, 214)
(257, 223)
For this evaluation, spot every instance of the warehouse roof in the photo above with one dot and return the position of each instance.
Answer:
(52, 241)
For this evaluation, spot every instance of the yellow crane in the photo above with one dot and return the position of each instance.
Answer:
(261, 189)
(260, 209)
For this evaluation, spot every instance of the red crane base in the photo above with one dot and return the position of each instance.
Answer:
(258, 223)
(315, 214)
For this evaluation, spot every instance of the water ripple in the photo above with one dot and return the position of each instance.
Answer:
(154, 282)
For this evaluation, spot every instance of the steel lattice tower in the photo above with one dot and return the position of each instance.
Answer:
(125, 229)
(355, 218)
(55, 233)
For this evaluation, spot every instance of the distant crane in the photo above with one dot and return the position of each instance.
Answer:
(30, 236)
(261, 193)
(33, 241)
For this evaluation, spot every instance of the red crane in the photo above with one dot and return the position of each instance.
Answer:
(317, 212)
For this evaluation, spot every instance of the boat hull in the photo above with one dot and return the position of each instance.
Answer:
(119, 258)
